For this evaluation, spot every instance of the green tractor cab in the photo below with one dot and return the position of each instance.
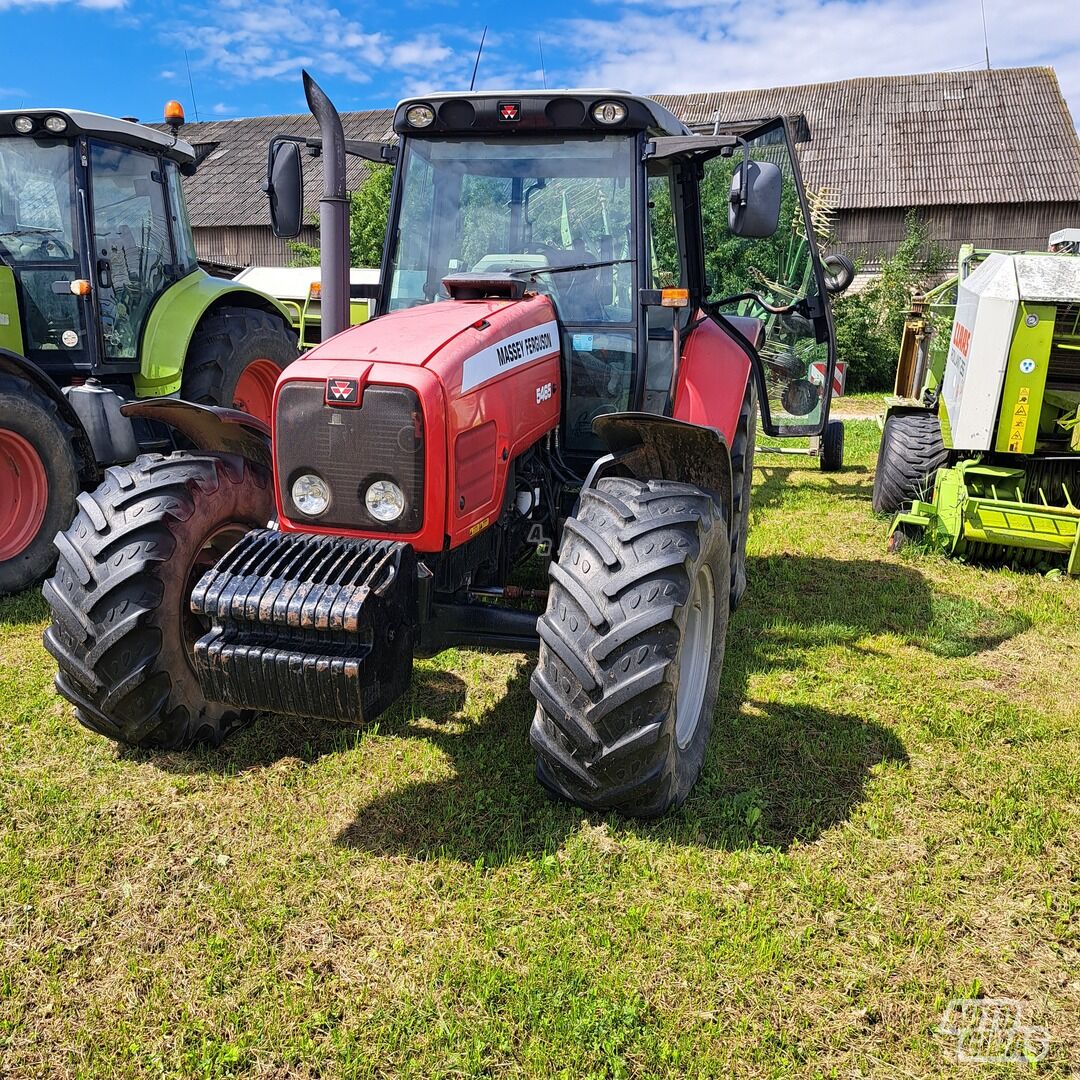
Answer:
(102, 302)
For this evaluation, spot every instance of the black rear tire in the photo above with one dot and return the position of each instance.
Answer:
(625, 608)
(742, 481)
(910, 454)
(122, 629)
(225, 344)
(832, 447)
(33, 418)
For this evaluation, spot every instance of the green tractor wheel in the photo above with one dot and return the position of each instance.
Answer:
(235, 357)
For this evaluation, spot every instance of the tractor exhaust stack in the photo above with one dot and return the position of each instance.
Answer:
(333, 212)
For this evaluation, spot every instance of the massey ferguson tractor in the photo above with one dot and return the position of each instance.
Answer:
(102, 302)
(551, 379)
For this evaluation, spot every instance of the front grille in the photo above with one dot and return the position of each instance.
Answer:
(1063, 370)
(351, 447)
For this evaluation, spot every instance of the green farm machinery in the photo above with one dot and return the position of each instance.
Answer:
(980, 450)
(106, 316)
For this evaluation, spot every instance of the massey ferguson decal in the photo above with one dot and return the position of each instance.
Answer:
(342, 391)
(510, 111)
(511, 352)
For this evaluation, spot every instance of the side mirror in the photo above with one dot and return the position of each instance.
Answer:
(285, 188)
(756, 190)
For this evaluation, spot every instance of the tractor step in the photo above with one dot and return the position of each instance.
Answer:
(308, 625)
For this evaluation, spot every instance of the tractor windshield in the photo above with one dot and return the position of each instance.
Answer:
(511, 204)
(36, 200)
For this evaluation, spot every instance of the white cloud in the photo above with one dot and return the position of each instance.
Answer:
(166, 74)
(94, 5)
(221, 109)
(685, 45)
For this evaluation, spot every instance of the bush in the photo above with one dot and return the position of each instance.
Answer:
(870, 323)
(369, 209)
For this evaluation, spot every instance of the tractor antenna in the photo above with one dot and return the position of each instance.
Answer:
(540, 46)
(472, 81)
(986, 41)
(191, 87)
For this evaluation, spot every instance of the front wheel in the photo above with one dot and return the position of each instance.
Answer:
(632, 646)
(122, 630)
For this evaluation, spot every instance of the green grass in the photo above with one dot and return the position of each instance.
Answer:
(888, 819)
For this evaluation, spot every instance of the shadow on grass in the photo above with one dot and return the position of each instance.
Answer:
(23, 608)
(776, 772)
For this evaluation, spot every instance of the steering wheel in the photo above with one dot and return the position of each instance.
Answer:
(538, 247)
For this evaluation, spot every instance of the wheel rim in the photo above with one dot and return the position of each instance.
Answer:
(24, 494)
(254, 391)
(695, 657)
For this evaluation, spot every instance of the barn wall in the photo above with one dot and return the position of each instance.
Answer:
(869, 235)
(241, 246)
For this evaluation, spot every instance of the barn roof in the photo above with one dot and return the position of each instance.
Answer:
(951, 137)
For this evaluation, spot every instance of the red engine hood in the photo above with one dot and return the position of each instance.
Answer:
(438, 335)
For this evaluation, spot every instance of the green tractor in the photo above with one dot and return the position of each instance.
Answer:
(980, 451)
(102, 302)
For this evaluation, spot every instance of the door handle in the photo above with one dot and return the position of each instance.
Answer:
(104, 273)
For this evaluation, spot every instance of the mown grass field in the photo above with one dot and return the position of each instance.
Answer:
(888, 820)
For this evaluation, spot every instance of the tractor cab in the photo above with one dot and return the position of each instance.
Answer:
(93, 229)
(632, 225)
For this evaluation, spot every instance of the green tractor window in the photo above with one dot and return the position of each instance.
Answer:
(132, 254)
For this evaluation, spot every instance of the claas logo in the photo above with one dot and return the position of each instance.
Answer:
(341, 391)
(510, 110)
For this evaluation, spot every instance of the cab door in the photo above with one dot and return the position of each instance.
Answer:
(798, 354)
(132, 257)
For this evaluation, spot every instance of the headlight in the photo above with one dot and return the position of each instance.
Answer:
(609, 112)
(310, 494)
(420, 115)
(24, 125)
(385, 500)
(56, 124)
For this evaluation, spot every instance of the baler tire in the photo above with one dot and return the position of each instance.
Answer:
(121, 627)
(911, 452)
(233, 347)
(742, 481)
(636, 562)
(32, 422)
(832, 447)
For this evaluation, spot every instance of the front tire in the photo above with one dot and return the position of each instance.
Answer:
(742, 481)
(235, 357)
(39, 479)
(632, 646)
(832, 447)
(911, 452)
(122, 631)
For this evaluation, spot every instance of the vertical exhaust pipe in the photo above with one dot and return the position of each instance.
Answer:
(333, 212)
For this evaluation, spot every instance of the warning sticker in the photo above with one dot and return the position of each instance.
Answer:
(1019, 421)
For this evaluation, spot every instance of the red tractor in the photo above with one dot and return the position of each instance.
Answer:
(583, 307)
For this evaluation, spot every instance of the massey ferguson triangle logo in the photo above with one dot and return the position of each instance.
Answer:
(510, 110)
(342, 391)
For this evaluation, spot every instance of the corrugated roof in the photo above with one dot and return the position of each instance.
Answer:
(952, 137)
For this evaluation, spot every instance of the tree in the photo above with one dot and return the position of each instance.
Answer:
(369, 209)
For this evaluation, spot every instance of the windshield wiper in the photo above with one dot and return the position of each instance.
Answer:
(530, 270)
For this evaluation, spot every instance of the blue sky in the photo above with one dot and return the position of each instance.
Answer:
(126, 57)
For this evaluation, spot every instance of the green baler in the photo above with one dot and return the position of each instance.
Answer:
(980, 452)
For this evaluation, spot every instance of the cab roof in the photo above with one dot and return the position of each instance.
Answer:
(109, 128)
(537, 111)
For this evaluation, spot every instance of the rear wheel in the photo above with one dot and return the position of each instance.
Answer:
(832, 447)
(632, 645)
(235, 357)
(122, 630)
(911, 452)
(742, 479)
(39, 479)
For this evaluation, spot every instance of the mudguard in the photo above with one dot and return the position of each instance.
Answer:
(174, 319)
(649, 446)
(209, 427)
